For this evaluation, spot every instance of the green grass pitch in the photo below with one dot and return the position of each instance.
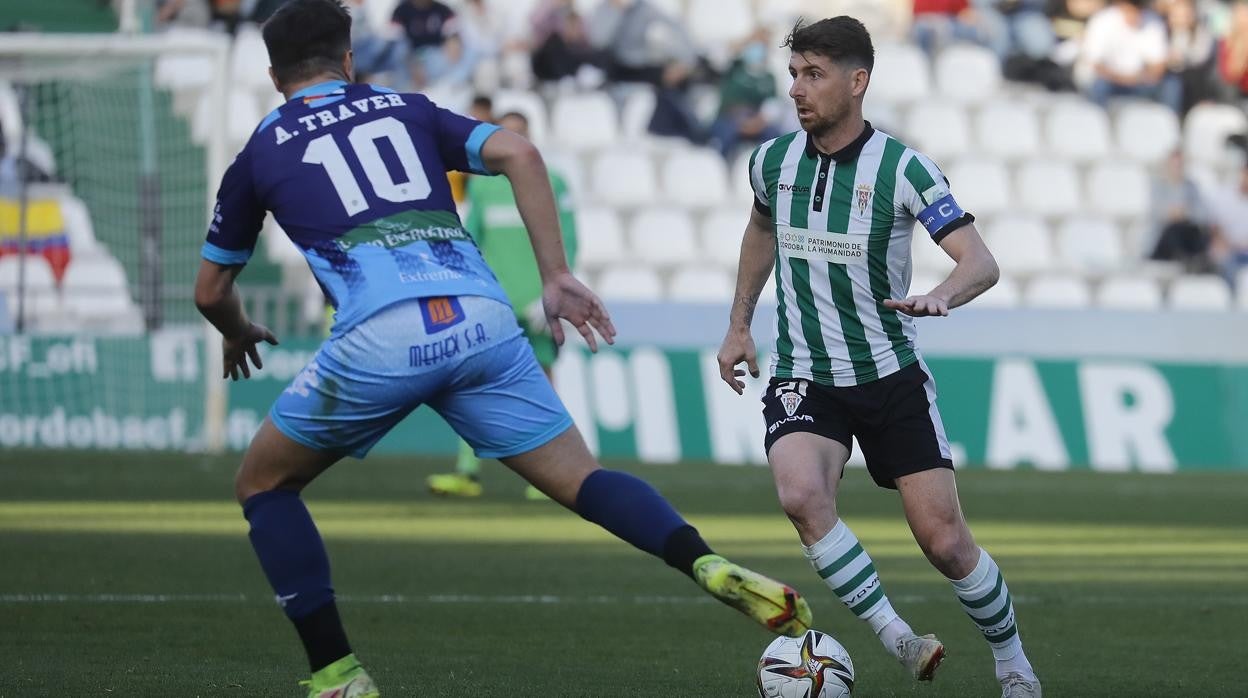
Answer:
(128, 575)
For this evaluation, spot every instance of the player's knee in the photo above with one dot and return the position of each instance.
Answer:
(950, 550)
(249, 483)
(804, 503)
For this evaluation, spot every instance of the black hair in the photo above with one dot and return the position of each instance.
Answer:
(307, 38)
(842, 40)
(484, 102)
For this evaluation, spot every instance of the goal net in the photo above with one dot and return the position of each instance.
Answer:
(112, 146)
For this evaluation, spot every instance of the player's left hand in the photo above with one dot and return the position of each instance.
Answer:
(919, 306)
(236, 350)
(564, 297)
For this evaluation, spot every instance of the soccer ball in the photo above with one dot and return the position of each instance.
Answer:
(814, 665)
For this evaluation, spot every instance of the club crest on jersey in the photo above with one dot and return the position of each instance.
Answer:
(862, 196)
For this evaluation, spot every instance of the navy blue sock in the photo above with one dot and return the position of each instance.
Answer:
(294, 560)
(634, 511)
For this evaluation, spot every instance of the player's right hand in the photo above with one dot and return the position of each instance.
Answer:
(566, 298)
(236, 350)
(738, 346)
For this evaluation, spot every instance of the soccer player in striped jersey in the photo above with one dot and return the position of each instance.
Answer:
(356, 176)
(835, 206)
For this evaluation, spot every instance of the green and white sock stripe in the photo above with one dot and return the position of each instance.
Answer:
(847, 569)
(986, 599)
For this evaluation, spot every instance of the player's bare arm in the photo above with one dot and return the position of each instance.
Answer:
(975, 272)
(563, 296)
(219, 302)
(758, 247)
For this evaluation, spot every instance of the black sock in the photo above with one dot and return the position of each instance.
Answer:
(323, 637)
(683, 547)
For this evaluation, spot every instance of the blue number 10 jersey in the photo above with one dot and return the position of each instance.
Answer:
(356, 176)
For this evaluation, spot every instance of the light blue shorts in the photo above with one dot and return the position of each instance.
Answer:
(463, 356)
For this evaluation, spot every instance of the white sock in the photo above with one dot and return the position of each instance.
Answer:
(840, 560)
(986, 599)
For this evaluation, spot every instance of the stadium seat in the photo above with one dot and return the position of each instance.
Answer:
(1048, 188)
(1004, 294)
(1129, 293)
(529, 104)
(636, 113)
(699, 283)
(927, 255)
(10, 114)
(663, 237)
(720, 239)
(923, 282)
(41, 298)
(78, 226)
(901, 74)
(1077, 131)
(249, 60)
(585, 121)
(1008, 130)
(1146, 131)
(181, 71)
(1020, 244)
(568, 166)
(1119, 189)
(739, 176)
(718, 22)
(1090, 244)
(600, 238)
(1241, 287)
(242, 116)
(941, 130)
(629, 283)
(1206, 129)
(95, 288)
(695, 178)
(278, 247)
(968, 74)
(1057, 291)
(1200, 293)
(623, 179)
(981, 186)
(883, 116)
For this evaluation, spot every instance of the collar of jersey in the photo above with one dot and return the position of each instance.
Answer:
(319, 89)
(847, 153)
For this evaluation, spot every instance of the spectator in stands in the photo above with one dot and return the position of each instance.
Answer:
(1124, 55)
(1233, 53)
(1070, 21)
(422, 21)
(227, 14)
(1229, 219)
(746, 92)
(1179, 218)
(482, 109)
(451, 64)
(380, 57)
(1018, 28)
(183, 13)
(561, 42)
(940, 22)
(1191, 51)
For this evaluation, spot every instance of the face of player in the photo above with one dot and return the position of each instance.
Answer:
(823, 92)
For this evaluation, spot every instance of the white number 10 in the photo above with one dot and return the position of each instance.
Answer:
(324, 151)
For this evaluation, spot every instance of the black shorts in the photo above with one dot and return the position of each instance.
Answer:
(894, 419)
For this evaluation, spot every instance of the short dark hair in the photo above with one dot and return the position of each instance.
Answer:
(842, 40)
(483, 102)
(306, 38)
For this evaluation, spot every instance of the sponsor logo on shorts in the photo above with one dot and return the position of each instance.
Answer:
(306, 381)
(441, 312)
(787, 420)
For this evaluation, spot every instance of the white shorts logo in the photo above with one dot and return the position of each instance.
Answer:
(791, 395)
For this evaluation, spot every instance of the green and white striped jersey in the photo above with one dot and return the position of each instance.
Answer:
(843, 224)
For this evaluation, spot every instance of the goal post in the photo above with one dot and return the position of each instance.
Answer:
(120, 141)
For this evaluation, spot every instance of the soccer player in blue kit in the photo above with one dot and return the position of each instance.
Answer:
(356, 176)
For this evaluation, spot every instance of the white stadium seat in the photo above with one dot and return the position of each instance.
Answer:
(1008, 130)
(585, 121)
(1090, 244)
(695, 178)
(739, 176)
(529, 104)
(721, 233)
(982, 187)
(712, 22)
(38, 284)
(95, 288)
(1146, 131)
(1048, 188)
(940, 130)
(1004, 294)
(927, 255)
(968, 74)
(1129, 293)
(278, 247)
(701, 284)
(600, 237)
(624, 179)
(78, 226)
(242, 116)
(663, 237)
(1206, 129)
(901, 74)
(923, 282)
(1021, 245)
(629, 283)
(249, 60)
(1119, 189)
(1057, 291)
(1200, 293)
(1241, 288)
(186, 71)
(636, 113)
(1078, 131)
